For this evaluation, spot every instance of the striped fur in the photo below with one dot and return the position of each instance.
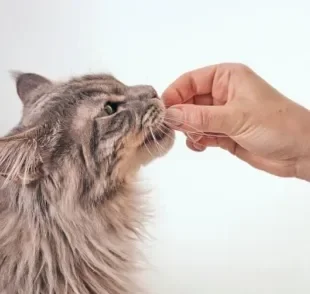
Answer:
(70, 211)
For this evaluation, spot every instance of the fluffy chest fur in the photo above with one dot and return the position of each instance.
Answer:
(56, 246)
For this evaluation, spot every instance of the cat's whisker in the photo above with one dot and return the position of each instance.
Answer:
(197, 144)
(159, 147)
(197, 131)
(167, 119)
(149, 141)
(145, 144)
(163, 131)
(160, 128)
(166, 134)
(148, 150)
(203, 134)
(208, 135)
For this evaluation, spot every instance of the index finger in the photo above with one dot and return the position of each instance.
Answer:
(190, 84)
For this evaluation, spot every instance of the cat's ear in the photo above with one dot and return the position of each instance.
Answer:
(27, 82)
(21, 158)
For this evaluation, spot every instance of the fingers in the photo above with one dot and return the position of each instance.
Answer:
(193, 83)
(206, 141)
(194, 137)
(214, 80)
(278, 168)
(197, 118)
(205, 99)
(195, 146)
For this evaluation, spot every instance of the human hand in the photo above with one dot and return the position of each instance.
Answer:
(258, 124)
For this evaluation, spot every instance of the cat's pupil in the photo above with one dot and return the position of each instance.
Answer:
(110, 108)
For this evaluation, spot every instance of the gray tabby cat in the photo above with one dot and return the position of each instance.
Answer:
(69, 212)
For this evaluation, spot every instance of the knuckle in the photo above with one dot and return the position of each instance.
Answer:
(241, 67)
(234, 66)
(190, 83)
(204, 117)
(224, 144)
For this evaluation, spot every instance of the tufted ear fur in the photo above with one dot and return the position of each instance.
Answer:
(27, 82)
(21, 159)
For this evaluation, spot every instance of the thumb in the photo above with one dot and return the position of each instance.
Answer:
(198, 118)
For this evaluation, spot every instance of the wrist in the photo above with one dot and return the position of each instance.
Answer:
(303, 169)
(303, 163)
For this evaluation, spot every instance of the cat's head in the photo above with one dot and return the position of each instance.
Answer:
(94, 121)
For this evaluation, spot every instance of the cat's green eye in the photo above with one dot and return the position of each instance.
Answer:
(110, 108)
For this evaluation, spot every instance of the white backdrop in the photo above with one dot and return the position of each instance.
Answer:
(221, 226)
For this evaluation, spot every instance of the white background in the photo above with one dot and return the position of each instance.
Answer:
(221, 226)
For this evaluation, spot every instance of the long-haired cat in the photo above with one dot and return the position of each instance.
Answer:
(69, 212)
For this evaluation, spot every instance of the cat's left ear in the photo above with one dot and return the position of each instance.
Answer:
(27, 82)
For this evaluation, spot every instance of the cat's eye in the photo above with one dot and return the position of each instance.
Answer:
(110, 108)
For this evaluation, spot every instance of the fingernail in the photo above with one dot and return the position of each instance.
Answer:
(174, 116)
(194, 138)
(199, 146)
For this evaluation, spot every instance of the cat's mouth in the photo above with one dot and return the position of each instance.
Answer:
(154, 136)
(157, 142)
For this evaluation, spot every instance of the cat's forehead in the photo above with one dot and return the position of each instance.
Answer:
(96, 78)
(61, 99)
(91, 85)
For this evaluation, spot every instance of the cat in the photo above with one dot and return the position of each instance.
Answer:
(70, 211)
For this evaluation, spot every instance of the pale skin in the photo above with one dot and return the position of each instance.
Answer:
(257, 123)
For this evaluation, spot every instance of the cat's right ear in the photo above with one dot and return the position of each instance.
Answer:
(27, 82)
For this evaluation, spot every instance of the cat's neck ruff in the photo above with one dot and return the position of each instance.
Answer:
(50, 242)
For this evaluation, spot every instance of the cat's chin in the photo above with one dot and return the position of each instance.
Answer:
(155, 145)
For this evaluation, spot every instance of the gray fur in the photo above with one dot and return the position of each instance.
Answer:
(70, 212)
